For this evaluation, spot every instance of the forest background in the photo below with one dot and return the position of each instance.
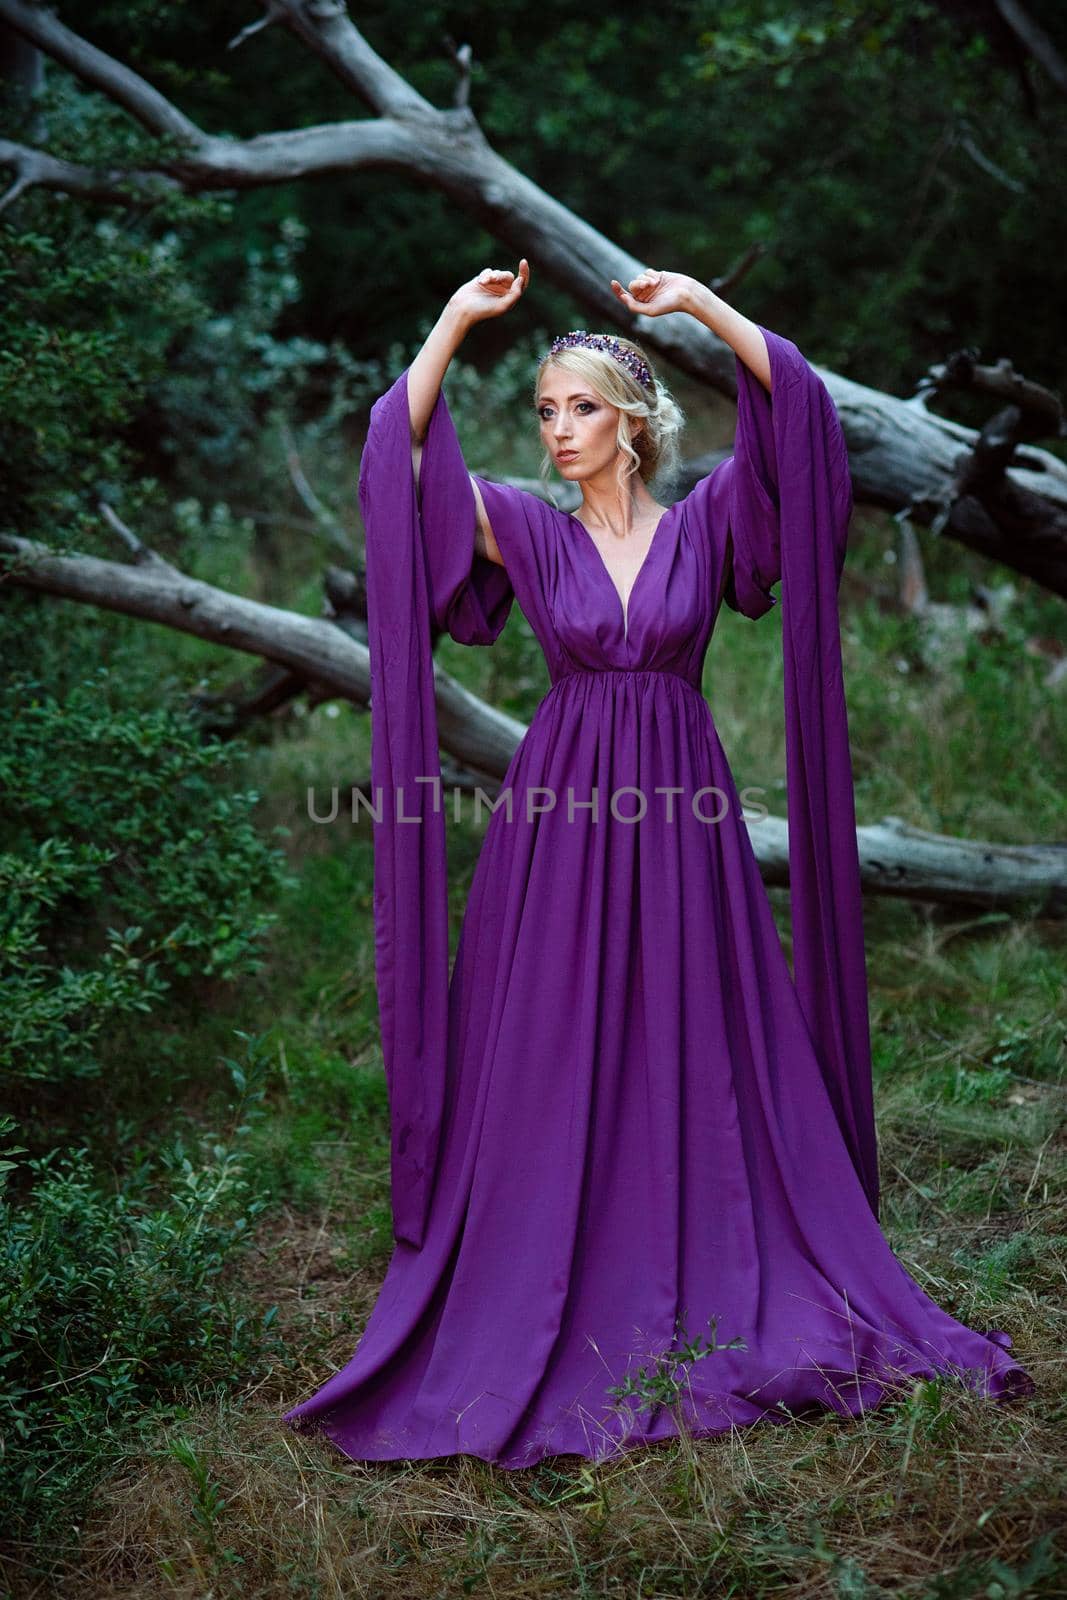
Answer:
(195, 1211)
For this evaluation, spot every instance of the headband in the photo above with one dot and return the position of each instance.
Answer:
(601, 341)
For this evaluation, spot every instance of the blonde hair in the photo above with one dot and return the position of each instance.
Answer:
(654, 453)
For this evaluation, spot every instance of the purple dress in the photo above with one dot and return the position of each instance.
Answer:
(622, 1126)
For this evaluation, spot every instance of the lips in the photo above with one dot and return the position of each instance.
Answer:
(567, 455)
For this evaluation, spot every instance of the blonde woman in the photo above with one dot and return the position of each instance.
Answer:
(634, 1181)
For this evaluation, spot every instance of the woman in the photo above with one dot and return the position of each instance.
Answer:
(622, 1125)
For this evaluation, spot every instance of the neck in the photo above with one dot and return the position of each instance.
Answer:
(606, 508)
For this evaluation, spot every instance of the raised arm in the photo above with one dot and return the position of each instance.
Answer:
(654, 293)
(487, 295)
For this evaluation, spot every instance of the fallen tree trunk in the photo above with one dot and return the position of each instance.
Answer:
(895, 859)
(911, 864)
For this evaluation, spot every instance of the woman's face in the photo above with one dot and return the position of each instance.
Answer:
(578, 427)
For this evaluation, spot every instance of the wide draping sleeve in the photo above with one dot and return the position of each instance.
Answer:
(422, 573)
(790, 499)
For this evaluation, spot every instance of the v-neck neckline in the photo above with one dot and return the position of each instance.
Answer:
(624, 605)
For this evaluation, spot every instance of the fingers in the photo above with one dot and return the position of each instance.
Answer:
(500, 280)
(643, 288)
(644, 284)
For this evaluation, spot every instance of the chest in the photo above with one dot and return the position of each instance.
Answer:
(653, 608)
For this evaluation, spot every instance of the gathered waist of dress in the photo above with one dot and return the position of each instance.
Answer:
(627, 672)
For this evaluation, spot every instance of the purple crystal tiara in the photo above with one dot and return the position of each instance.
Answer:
(602, 341)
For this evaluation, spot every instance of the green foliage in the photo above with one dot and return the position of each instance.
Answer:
(233, 379)
(1030, 1260)
(208, 1501)
(111, 1309)
(335, 1114)
(892, 236)
(666, 1377)
(77, 353)
(129, 860)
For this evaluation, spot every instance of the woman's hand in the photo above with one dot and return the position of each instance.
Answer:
(490, 294)
(653, 293)
(487, 295)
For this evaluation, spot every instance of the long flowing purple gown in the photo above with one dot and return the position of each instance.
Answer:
(622, 1124)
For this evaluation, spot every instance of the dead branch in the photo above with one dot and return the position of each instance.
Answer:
(317, 649)
(37, 169)
(100, 71)
(142, 553)
(895, 859)
(962, 370)
(319, 510)
(270, 15)
(726, 283)
(1032, 35)
(462, 55)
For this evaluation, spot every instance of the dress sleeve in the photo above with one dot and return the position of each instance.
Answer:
(422, 573)
(470, 595)
(753, 487)
(521, 528)
(788, 497)
(751, 498)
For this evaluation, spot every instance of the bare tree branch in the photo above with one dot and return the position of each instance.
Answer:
(895, 859)
(37, 169)
(728, 281)
(1036, 40)
(986, 164)
(321, 652)
(100, 71)
(902, 456)
(271, 14)
(321, 512)
(142, 553)
(963, 370)
(462, 55)
(914, 595)
(206, 162)
(216, 164)
(324, 26)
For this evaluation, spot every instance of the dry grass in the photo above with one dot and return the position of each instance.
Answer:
(930, 1495)
(882, 1504)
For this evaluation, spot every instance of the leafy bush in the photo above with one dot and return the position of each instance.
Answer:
(110, 1304)
(231, 378)
(128, 861)
(90, 313)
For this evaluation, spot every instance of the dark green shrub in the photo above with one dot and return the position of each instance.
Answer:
(111, 1308)
(128, 860)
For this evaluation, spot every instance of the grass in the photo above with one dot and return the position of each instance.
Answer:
(937, 1494)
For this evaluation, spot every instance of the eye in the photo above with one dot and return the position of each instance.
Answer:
(588, 404)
